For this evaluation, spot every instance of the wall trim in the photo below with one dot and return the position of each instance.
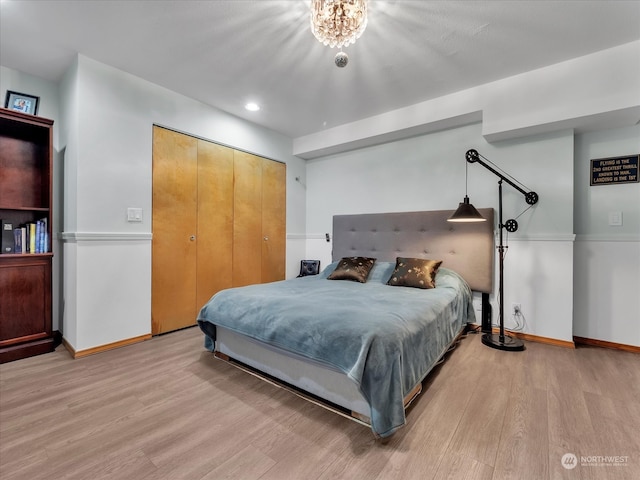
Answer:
(605, 344)
(542, 237)
(74, 237)
(538, 339)
(608, 237)
(306, 236)
(532, 338)
(103, 348)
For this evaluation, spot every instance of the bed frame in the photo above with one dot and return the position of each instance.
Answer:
(467, 248)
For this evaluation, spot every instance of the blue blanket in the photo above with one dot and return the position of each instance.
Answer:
(386, 339)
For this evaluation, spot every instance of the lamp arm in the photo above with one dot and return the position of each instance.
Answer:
(473, 156)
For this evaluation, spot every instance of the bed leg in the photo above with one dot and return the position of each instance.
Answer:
(222, 356)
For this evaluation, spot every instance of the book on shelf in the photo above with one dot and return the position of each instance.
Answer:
(6, 237)
(38, 236)
(27, 233)
(23, 231)
(17, 240)
(44, 236)
(32, 237)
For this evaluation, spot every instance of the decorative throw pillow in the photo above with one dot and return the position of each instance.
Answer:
(414, 272)
(353, 268)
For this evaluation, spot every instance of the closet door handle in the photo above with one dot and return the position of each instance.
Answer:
(192, 238)
(266, 239)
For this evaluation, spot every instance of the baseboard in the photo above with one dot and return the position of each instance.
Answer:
(563, 343)
(536, 338)
(103, 348)
(604, 344)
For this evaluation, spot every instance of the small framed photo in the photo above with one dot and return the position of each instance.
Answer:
(21, 102)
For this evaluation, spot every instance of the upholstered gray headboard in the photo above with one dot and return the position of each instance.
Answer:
(467, 248)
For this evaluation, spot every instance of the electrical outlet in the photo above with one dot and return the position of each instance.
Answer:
(516, 309)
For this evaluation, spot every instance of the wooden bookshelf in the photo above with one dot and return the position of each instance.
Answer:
(26, 159)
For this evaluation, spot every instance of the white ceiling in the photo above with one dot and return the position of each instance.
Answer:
(225, 53)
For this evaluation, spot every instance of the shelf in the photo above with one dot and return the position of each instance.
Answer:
(25, 209)
(25, 255)
(26, 163)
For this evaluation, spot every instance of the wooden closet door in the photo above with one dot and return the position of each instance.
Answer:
(174, 222)
(247, 219)
(214, 269)
(273, 220)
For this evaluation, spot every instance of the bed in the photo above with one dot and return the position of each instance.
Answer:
(359, 349)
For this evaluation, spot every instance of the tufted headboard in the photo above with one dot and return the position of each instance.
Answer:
(467, 248)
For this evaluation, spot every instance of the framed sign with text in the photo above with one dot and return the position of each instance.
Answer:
(614, 170)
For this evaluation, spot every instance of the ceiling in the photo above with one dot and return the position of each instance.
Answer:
(226, 53)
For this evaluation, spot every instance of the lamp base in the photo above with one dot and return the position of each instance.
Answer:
(511, 344)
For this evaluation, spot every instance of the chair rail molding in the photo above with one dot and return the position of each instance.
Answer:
(75, 237)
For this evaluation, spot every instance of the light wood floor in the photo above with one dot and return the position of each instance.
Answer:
(166, 409)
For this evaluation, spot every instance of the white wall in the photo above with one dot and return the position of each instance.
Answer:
(48, 105)
(428, 173)
(117, 112)
(607, 291)
(607, 258)
(67, 187)
(594, 203)
(108, 167)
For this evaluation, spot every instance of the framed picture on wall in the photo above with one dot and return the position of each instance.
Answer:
(21, 102)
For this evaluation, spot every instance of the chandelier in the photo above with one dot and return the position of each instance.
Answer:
(338, 23)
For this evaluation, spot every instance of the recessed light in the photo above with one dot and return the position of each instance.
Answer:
(252, 107)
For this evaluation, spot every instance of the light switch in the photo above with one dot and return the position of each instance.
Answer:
(134, 215)
(615, 219)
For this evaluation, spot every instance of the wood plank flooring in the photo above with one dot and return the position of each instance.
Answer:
(167, 409)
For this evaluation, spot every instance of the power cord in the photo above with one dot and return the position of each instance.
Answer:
(520, 321)
(473, 329)
(517, 317)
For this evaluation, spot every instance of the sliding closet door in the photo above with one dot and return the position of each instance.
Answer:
(214, 269)
(218, 222)
(174, 214)
(273, 220)
(247, 219)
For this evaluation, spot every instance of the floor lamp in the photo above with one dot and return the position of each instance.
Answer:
(466, 212)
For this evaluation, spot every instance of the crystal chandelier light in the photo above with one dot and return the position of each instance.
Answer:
(338, 23)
